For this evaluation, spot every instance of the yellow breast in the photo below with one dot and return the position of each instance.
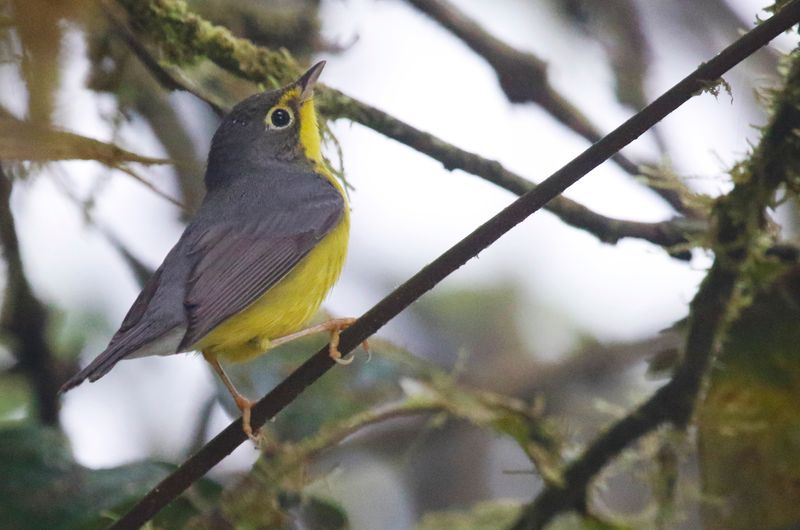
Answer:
(287, 306)
(290, 303)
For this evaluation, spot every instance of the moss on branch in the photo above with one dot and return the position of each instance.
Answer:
(184, 37)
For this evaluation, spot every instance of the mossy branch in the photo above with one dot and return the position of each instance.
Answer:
(283, 469)
(739, 232)
(163, 21)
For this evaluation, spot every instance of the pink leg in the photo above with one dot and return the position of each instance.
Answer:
(334, 327)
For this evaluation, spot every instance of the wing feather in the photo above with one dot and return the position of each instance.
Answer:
(237, 264)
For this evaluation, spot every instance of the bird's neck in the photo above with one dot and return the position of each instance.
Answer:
(311, 141)
(310, 138)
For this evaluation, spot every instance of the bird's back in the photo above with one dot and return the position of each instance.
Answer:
(274, 206)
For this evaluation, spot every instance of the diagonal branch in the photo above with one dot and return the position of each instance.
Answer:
(244, 59)
(286, 391)
(669, 233)
(673, 402)
(740, 220)
(523, 78)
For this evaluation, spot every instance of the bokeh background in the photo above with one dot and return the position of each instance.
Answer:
(548, 314)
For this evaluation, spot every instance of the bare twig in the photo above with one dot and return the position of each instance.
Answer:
(286, 391)
(139, 270)
(24, 317)
(523, 78)
(152, 187)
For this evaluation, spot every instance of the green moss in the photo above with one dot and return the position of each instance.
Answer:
(184, 38)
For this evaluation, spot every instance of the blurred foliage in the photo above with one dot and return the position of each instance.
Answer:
(749, 436)
(501, 514)
(390, 384)
(49, 490)
(21, 140)
(15, 395)
(290, 24)
(749, 432)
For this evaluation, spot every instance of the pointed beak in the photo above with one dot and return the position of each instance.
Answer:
(309, 79)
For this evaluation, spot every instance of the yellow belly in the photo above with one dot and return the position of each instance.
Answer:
(286, 307)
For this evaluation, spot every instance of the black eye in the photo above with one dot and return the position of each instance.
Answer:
(280, 118)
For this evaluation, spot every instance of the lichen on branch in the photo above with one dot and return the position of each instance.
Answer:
(184, 37)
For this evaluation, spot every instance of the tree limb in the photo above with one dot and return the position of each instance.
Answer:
(523, 78)
(486, 234)
(244, 59)
(740, 219)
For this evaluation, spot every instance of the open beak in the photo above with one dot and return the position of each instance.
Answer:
(309, 79)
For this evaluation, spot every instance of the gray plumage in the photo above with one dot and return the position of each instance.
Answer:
(242, 241)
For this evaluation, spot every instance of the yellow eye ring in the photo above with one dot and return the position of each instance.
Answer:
(279, 118)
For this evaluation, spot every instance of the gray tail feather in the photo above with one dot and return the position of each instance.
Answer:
(96, 369)
(141, 341)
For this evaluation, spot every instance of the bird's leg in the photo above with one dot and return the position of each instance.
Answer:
(244, 404)
(334, 327)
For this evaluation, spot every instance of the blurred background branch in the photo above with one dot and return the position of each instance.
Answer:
(24, 319)
(518, 362)
(523, 78)
(740, 219)
(259, 64)
(707, 319)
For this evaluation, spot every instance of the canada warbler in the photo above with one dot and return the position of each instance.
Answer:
(266, 246)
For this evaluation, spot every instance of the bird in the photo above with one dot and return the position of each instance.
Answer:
(264, 249)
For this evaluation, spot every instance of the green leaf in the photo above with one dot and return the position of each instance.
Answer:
(42, 486)
(15, 395)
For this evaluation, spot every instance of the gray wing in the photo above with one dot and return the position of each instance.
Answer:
(226, 259)
(238, 264)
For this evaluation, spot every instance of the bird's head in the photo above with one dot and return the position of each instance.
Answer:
(279, 125)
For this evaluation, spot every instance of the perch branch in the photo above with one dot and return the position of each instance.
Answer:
(486, 234)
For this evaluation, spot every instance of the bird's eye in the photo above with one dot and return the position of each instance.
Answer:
(279, 118)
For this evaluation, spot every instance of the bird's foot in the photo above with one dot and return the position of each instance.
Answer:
(245, 405)
(336, 326)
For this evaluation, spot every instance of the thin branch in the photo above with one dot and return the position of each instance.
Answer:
(140, 271)
(740, 220)
(523, 78)
(24, 317)
(286, 391)
(673, 402)
(165, 77)
(152, 187)
(25, 140)
(672, 233)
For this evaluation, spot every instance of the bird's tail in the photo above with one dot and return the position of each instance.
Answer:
(137, 342)
(94, 371)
